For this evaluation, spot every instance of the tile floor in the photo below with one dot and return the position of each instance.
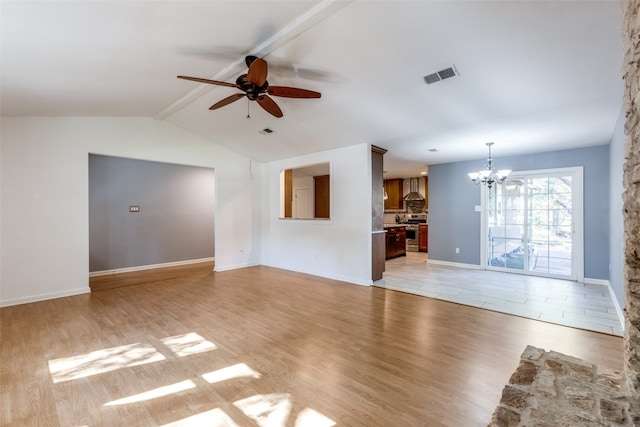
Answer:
(574, 304)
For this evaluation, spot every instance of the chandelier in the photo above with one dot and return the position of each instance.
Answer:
(488, 176)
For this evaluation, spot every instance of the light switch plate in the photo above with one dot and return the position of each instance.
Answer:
(478, 208)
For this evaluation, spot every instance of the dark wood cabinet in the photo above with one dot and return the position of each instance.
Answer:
(423, 238)
(396, 242)
(378, 242)
(322, 207)
(393, 188)
(426, 192)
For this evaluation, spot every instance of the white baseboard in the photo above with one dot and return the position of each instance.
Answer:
(607, 284)
(602, 282)
(43, 297)
(149, 267)
(454, 264)
(233, 267)
(340, 278)
(619, 310)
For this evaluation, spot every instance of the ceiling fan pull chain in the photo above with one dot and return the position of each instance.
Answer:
(248, 103)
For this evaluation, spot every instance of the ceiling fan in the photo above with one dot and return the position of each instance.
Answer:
(255, 86)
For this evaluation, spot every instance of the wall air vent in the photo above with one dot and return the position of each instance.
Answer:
(441, 75)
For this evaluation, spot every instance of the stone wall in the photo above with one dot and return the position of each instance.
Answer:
(552, 389)
(631, 195)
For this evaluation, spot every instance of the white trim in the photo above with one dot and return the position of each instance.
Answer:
(577, 189)
(340, 278)
(234, 267)
(612, 295)
(619, 310)
(455, 264)
(601, 282)
(44, 297)
(484, 226)
(149, 267)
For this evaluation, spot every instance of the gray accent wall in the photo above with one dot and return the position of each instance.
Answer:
(175, 221)
(616, 236)
(453, 222)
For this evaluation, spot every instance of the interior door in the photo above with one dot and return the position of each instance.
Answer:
(302, 202)
(531, 224)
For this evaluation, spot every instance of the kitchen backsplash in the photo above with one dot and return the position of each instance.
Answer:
(414, 206)
(397, 216)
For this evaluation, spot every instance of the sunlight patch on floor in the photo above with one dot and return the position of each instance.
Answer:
(187, 344)
(236, 371)
(213, 418)
(100, 361)
(311, 418)
(154, 394)
(268, 410)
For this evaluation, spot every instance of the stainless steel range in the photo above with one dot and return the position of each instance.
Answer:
(413, 230)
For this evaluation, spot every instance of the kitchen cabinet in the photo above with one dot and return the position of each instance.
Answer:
(396, 242)
(321, 197)
(426, 192)
(393, 187)
(423, 238)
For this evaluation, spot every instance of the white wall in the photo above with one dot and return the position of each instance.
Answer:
(44, 191)
(339, 248)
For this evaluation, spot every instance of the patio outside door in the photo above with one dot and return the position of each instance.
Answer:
(534, 224)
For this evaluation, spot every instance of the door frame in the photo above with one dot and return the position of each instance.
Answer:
(577, 241)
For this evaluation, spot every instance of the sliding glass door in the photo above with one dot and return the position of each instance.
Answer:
(532, 224)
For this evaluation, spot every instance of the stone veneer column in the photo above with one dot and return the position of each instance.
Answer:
(631, 195)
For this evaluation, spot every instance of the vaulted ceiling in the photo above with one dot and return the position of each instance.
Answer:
(532, 75)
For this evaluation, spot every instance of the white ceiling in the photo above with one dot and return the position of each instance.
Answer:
(534, 75)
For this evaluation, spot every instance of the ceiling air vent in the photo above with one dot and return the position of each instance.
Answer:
(441, 75)
(265, 131)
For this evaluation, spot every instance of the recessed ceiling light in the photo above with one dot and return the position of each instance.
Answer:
(423, 173)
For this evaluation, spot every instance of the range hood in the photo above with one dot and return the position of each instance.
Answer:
(413, 191)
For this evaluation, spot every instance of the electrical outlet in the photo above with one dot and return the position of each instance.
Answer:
(457, 250)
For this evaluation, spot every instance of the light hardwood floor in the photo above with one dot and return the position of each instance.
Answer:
(262, 346)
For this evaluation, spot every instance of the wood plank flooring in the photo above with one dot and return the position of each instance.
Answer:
(118, 280)
(266, 347)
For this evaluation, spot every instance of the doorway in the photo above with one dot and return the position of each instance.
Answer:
(534, 224)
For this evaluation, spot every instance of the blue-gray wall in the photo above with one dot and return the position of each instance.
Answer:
(616, 221)
(453, 222)
(176, 218)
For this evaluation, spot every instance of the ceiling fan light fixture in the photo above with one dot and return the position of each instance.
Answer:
(255, 87)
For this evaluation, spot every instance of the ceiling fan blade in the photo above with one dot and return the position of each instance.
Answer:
(227, 100)
(258, 72)
(292, 92)
(269, 105)
(249, 60)
(212, 82)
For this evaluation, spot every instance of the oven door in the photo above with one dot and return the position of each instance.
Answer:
(412, 239)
